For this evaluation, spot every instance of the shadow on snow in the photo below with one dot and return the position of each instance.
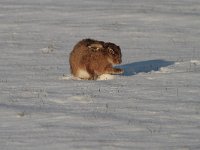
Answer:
(144, 66)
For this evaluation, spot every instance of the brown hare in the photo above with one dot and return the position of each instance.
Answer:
(91, 58)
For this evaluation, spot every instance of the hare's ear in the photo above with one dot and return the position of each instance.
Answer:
(111, 51)
(95, 46)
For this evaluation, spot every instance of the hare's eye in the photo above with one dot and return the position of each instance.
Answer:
(111, 51)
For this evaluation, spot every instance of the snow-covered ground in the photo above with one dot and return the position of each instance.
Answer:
(154, 105)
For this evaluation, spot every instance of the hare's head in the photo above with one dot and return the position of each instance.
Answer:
(114, 53)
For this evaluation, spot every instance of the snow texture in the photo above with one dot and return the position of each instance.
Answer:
(154, 105)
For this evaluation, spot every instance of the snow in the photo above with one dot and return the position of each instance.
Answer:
(154, 105)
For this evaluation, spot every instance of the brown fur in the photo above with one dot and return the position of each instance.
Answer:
(91, 58)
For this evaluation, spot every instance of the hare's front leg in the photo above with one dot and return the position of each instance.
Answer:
(111, 70)
(118, 71)
(93, 75)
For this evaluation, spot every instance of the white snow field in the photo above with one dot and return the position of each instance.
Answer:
(154, 105)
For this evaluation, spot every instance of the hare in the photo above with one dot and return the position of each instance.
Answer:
(91, 58)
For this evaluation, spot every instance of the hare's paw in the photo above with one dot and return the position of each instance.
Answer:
(118, 71)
